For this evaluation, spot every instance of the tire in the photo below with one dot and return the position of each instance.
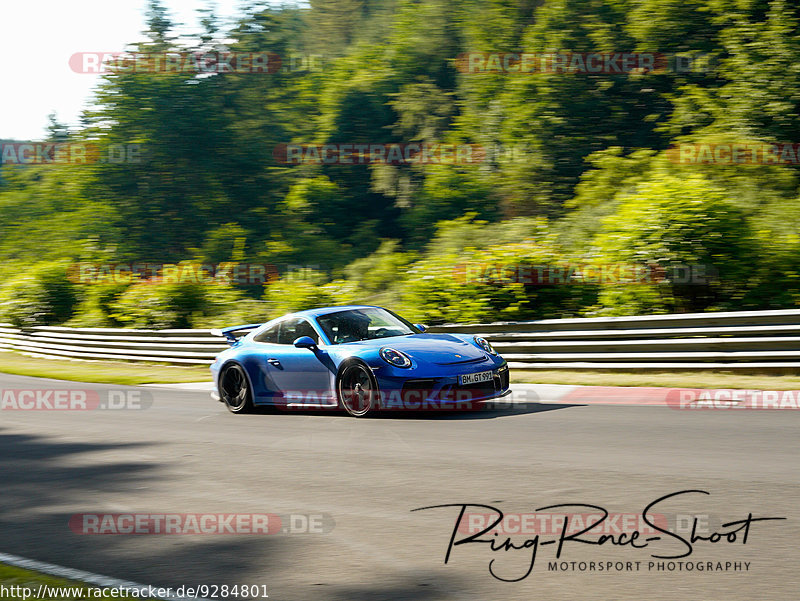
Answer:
(357, 389)
(234, 389)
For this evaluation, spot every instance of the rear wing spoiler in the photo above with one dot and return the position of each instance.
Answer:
(230, 333)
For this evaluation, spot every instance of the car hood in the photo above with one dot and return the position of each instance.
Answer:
(442, 349)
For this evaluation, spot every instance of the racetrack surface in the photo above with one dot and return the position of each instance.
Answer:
(186, 454)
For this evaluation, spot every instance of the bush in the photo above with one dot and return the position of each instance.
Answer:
(380, 270)
(95, 309)
(498, 282)
(673, 222)
(305, 290)
(41, 296)
(148, 305)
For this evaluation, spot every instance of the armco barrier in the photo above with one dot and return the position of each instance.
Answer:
(758, 340)
(179, 347)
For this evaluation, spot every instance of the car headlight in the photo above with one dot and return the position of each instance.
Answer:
(396, 358)
(484, 344)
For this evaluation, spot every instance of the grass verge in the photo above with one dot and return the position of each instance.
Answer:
(12, 577)
(101, 372)
(130, 374)
(671, 379)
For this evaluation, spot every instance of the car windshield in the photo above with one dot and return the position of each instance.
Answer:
(363, 324)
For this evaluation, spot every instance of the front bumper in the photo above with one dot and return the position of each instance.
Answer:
(442, 391)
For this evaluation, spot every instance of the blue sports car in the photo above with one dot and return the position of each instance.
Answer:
(358, 358)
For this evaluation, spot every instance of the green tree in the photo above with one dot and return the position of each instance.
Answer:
(678, 223)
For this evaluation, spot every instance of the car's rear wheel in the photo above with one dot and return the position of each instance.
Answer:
(234, 389)
(357, 389)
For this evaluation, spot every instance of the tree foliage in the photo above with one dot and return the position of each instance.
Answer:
(576, 167)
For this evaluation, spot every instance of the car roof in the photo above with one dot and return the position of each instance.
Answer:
(325, 310)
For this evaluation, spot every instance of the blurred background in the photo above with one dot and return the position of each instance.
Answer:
(576, 168)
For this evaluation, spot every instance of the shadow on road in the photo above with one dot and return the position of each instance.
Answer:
(487, 412)
(45, 481)
(437, 588)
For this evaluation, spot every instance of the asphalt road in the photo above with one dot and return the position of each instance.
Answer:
(187, 454)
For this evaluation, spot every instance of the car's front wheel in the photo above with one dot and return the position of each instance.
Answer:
(234, 389)
(357, 389)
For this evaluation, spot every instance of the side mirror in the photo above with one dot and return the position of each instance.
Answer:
(305, 342)
(421, 327)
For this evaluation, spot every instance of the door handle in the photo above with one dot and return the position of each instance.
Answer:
(274, 362)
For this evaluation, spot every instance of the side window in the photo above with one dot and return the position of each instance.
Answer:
(269, 335)
(292, 329)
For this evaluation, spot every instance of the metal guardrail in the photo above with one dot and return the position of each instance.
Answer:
(758, 340)
(179, 347)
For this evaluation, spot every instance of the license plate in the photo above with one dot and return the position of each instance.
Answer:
(483, 376)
